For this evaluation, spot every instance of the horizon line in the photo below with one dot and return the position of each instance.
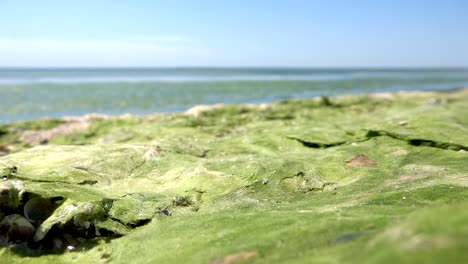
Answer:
(214, 67)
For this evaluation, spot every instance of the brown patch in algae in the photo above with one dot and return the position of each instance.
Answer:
(4, 150)
(360, 161)
(235, 258)
(72, 124)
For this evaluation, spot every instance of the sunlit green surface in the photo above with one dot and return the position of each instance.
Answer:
(268, 179)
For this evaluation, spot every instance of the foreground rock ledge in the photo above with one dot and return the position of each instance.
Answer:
(370, 178)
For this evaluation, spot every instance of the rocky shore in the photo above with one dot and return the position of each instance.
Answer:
(352, 179)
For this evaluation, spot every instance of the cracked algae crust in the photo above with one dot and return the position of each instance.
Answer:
(270, 180)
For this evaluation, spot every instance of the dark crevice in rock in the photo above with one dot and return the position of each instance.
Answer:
(133, 225)
(139, 223)
(416, 141)
(310, 144)
(379, 133)
(3, 131)
(88, 182)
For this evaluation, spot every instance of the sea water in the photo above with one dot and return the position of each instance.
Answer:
(27, 93)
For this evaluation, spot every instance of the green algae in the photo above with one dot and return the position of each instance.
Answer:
(266, 179)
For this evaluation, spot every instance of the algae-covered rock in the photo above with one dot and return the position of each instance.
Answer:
(330, 180)
(10, 194)
(76, 213)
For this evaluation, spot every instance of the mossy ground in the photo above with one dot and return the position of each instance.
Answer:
(266, 184)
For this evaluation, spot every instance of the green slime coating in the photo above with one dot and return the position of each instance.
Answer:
(411, 207)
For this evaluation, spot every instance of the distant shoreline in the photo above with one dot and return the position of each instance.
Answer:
(36, 93)
(196, 110)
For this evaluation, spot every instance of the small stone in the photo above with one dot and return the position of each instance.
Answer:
(96, 231)
(70, 248)
(17, 228)
(403, 123)
(265, 181)
(86, 224)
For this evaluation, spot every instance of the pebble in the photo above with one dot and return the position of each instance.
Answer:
(265, 181)
(70, 248)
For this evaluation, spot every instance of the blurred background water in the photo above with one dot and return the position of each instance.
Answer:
(32, 93)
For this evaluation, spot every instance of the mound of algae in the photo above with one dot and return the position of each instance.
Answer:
(352, 179)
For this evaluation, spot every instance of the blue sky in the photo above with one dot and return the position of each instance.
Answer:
(234, 33)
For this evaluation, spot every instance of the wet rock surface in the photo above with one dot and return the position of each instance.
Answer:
(294, 181)
(48, 225)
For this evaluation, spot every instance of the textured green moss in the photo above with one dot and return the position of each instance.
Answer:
(277, 180)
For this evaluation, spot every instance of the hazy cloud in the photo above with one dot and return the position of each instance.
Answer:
(137, 51)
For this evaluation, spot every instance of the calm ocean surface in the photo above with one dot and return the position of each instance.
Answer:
(32, 93)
